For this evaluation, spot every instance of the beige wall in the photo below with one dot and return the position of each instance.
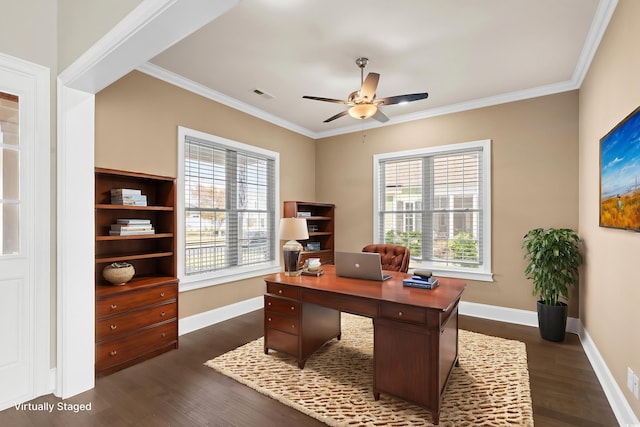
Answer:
(610, 296)
(136, 129)
(534, 156)
(534, 180)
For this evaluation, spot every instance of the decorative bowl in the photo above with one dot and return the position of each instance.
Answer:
(118, 273)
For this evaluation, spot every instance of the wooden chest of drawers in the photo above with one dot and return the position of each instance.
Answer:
(135, 322)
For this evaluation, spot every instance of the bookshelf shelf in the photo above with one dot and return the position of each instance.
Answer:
(139, 236)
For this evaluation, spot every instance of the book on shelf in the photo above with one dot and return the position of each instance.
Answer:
(125, 192)
(133, 221)
(303, 214)
(131, 232)
(131, 227)
(129, 200)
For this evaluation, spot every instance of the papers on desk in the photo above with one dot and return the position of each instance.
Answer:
(421, 282)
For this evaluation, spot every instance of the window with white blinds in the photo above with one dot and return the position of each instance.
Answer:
(436, 201)
(229, 206)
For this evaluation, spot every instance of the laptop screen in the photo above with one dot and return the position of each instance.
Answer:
(359, 265)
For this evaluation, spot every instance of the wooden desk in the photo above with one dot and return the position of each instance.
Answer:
(415, 330)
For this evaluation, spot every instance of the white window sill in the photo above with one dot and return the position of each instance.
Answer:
(198, 281)
(480, 276)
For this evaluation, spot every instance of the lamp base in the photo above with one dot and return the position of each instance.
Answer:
(291, 263)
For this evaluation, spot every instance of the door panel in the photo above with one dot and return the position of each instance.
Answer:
(25, 216)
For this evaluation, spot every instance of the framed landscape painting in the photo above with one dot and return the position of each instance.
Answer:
(620, 175)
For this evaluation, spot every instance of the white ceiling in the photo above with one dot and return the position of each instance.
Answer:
(465, 53)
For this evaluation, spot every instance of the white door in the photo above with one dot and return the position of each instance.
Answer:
(24, 232)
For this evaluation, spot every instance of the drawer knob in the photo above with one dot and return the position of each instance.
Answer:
(400, 314)
(279, 291)
(293, 308)
(114, 306)
(269, 303)
(114, 327)
(162, 313)
(269, 319)
(161, 294)
(113, 353)
(162, 335)
(293, 326)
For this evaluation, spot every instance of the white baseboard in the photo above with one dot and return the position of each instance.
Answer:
(621, 408)
(217, 315)
(619, 404)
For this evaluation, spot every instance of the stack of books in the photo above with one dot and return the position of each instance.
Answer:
(131, 227)
(421, 282)
(128, 197)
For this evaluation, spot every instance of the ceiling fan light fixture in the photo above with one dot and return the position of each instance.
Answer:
(362, 111)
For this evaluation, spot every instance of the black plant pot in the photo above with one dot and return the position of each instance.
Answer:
(552, 321)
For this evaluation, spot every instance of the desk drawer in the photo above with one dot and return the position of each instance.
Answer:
(282, 323)
(281, 305)
(281, 341)
(282, 291)
(116, 325)
(403, 313)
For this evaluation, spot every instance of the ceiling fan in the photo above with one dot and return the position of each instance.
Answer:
(363, 103)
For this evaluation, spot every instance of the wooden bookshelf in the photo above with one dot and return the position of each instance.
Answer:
(137, 320)
(321, 223)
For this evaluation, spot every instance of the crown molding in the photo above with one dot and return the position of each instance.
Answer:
(145, 32)
(199, 89)
(598, 27)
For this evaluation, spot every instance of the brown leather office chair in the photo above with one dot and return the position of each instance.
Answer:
(392, 257)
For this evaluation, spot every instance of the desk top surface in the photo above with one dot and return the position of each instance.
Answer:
(391, 290)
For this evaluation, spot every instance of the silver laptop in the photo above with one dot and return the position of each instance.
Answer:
(360, 265)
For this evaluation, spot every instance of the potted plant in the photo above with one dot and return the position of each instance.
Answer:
(553, 257)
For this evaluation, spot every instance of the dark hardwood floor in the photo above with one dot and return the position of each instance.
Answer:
(176, 389)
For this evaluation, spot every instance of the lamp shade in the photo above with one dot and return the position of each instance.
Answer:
(362, 111)
(293, 229)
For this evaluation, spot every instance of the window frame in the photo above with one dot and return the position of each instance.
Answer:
(484, 271)
(201, 280)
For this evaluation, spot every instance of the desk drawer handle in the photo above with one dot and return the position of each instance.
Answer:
(293, 326)
(293, 308)
(279, 291)
(399, 314)
(162, 335)
(269, 303)
(161, 294)
(162, 313)
(269, 319)
(113, 353)
(114, 306)
(114, 327)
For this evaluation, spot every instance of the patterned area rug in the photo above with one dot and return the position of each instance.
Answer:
(489, 388)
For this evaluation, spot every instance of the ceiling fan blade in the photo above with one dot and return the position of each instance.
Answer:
(337, 116)
(317, 98)
(402, 98)
(380, 116)
(369, 86)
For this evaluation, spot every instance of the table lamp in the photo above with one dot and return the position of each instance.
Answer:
(292, 229)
